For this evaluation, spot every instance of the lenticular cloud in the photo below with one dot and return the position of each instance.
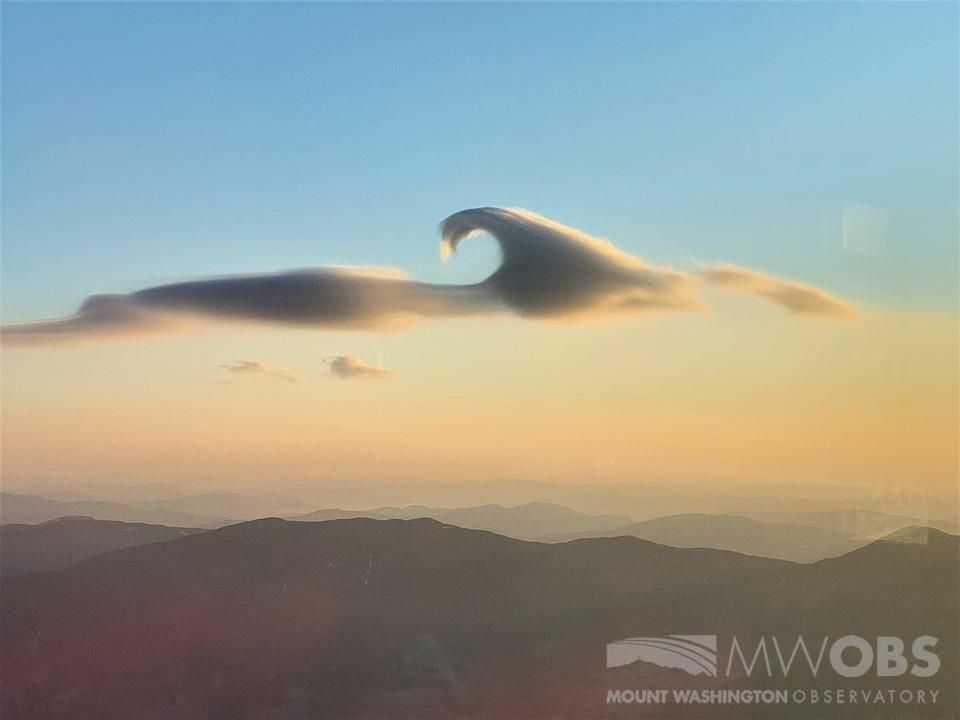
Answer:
(551, 270)
(547, 270)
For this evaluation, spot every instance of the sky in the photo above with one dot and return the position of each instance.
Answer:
(150, 143)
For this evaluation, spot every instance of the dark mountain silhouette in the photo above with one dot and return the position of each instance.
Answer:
(32, 509)
(784, 541)
(418, 619)
(59, 543)
(530, 521)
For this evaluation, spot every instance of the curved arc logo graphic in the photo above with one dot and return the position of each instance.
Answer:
(694, 654)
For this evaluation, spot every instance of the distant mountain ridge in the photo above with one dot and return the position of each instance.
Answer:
(812, 538)
(530, 521)
(783, 541)
(860, 523)
(640, 500)
(33, 509)
(794, 536)
(59, 543)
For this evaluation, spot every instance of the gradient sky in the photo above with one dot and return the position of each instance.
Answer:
(144, 143)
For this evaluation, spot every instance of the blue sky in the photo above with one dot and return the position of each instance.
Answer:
(148, 142)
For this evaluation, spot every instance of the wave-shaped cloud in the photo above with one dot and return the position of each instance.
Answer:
(353, 367)
(256, 367)
(548, 270)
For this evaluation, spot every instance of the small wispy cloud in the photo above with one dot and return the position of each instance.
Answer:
(352, 367)
(255, 367)
(797, 297)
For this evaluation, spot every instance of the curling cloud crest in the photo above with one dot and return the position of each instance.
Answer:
(551, 270)
(548, 270)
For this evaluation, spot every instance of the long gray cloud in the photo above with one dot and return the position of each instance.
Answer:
(548, 270)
